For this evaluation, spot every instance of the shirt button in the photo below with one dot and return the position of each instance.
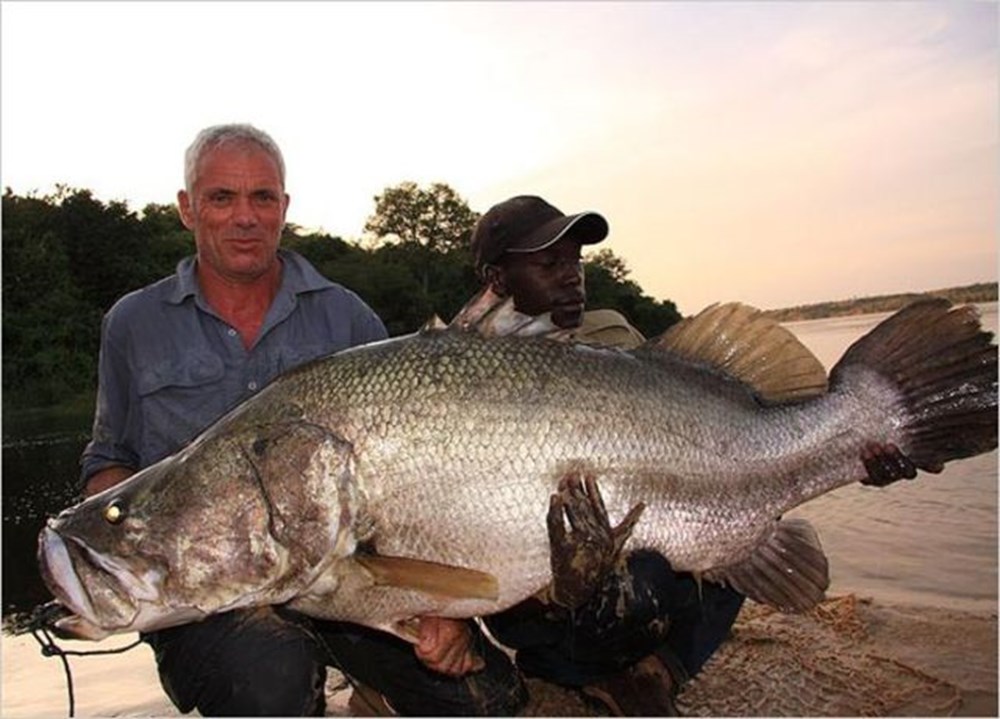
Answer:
(252, 386)
(232, 332)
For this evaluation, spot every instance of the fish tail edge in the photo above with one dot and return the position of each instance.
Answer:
(945, 367)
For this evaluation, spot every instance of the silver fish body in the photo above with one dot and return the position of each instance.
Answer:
(443, 448)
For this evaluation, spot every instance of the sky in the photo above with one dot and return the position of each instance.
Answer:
(771, 153)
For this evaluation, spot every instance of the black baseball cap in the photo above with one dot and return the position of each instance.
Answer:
(527, 223)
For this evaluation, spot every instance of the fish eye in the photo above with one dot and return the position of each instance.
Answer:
(114, 513)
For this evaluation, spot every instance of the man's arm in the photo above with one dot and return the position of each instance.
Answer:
(110, 456)
(105, 478)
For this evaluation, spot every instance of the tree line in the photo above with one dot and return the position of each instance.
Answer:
(977, 292)
(67, 257)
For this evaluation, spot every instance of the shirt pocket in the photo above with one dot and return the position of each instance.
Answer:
(179, 398)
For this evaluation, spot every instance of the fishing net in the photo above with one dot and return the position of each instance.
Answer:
(822, 663)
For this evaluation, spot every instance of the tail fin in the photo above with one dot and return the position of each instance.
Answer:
(946, 367)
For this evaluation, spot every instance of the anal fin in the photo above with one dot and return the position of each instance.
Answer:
(430, 577)
(788, 570)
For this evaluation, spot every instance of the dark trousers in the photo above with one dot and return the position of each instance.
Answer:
(272, 662)
(645, 609)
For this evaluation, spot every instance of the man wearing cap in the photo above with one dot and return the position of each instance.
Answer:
(527, 249)
(646, 629)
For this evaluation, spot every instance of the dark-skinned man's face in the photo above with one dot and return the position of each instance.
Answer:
(549, 280)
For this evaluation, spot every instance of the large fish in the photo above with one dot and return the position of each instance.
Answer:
(412, 476)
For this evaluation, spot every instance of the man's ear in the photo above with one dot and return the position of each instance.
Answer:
(496, 279)
(185, 209)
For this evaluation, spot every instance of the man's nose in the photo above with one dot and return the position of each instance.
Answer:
(245, 215)
(571, 272)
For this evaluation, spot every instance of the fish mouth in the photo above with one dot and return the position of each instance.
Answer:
(98, 593)
(102, 595)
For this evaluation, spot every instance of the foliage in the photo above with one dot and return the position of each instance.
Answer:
(430, 225)
(436, 218)
(608, 286)
(68, 257)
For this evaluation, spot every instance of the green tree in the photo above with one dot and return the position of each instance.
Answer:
(610, 263)
(49, 332)
(107, 246)
(609, 286)
(428, 225)
(437, 217)
(168, 239)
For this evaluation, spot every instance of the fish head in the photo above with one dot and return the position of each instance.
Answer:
(244, 519)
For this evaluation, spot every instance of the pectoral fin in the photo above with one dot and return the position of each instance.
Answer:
(430, 577)
(787, 571)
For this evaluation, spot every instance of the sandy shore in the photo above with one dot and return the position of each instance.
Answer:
(848, 657)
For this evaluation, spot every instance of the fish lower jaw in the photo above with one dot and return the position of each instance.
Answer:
(76, 627)
(148, 618)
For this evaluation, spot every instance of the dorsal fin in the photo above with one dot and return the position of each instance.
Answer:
(434, 324)
(490, 315)
(754, 349)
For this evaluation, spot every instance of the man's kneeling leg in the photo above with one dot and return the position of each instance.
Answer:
(390, 666)
(248, 662)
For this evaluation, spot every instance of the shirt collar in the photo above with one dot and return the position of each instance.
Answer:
(298, 276)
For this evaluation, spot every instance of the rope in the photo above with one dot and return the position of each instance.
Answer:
(39, 630)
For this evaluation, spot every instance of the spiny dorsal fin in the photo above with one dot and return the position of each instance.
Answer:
(787, 570)
(754, 349)
(490, 315)
(430, 577)
(434, 324)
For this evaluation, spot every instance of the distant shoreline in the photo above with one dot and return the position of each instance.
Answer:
(979, 292)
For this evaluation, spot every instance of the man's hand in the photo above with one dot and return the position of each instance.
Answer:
(445, 645)
(582, 557)
(105, 478)
(885, 464)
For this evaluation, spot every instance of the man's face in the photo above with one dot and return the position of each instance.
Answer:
(549, 280)
(236, 210)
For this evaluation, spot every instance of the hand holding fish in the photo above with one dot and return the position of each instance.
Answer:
(445, 646)
(582, 557)
(885, 464)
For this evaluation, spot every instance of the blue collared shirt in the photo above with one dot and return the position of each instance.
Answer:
(169, 366)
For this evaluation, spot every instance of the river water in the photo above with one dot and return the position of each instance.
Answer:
(930, 541)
